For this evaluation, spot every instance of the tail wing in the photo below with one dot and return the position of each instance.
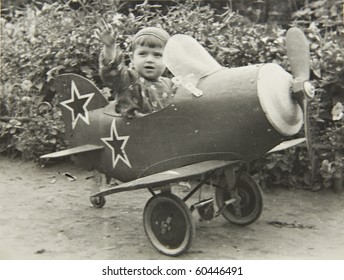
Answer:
(73, 151)
(77, 97)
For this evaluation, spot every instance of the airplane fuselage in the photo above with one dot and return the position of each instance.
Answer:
(229, 121)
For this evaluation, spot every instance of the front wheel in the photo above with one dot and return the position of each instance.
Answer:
(248, 205)
(168, 224)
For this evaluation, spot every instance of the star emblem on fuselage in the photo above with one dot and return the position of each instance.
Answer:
(77, 104)
(117, 144)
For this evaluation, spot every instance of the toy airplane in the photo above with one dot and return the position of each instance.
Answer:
(219, 120)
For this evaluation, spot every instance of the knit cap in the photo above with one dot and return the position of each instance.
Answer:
(153, 31)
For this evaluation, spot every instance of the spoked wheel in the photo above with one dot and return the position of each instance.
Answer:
(98, 201)
(248, 205)
(168, 224)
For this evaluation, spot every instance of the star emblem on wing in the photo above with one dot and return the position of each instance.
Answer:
(77, 104)
(117, 144)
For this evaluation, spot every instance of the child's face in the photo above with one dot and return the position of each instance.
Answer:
(148, 62)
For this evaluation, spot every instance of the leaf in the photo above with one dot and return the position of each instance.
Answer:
(337, 111)
(265, 39)
(314, 46)
(271, 165)
(317, 72)
(327, 45)
(230, 50)
(320, 120)
(39, 86)
(53, 132)
(86, 69)
(334, 11)
(53, 72)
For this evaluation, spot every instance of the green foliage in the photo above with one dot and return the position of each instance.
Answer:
(32, 138)
(290, 169)
(40, 43)
(322, 21)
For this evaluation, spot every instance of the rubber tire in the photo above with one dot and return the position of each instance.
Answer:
(251, 204)
(178, 238)
(98, 202)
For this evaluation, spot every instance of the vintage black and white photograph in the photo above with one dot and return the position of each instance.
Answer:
(172, 130)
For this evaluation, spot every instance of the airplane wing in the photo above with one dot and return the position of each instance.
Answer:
(287, 144)
(170, 176)
(73, 151)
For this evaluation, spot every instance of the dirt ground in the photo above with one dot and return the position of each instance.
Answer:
(43, 215)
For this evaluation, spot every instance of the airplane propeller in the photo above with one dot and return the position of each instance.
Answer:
(299, 60)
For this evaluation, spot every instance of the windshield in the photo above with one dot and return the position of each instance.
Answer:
(185, 57)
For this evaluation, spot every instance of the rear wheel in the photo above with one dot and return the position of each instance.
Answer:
(168, 224)
(248, 205)
(98, 201)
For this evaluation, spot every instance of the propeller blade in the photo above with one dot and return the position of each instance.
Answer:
(298, 54)
(299, 59)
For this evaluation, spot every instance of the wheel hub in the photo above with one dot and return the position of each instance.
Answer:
(166, 225)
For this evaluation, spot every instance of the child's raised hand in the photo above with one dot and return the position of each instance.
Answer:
(106, 34)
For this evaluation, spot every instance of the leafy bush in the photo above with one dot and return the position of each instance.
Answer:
(40, 43)
(323, 25)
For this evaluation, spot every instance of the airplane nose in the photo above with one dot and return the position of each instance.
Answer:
(274, 91)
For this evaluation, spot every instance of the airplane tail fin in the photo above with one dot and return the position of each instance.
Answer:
(77, 97)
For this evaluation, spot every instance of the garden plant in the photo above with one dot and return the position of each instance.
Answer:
(40, 40)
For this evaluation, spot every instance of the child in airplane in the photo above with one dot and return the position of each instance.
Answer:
(139, 89)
